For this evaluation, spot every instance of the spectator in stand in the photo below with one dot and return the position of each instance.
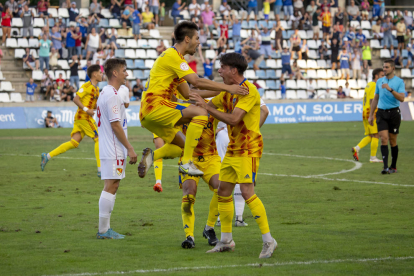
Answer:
(203, 38)
(295, 42)
(266, 9)
(326, 22)
(341, 94)
(93, 22)
(115, 8)
(224, 30)
(283, 89)
(60, 81)
(60, 25)
(112, 39)
(364, 9)
(208, 65)
(376, 30)
(42, 7)
(50, 121)
(1, 56)
(339, 19)
(155, 8)
(297, 20)
(67, 91)
(323, 50)
(360, 38)
(85, 68)
(347, 90)
(78, 41)
(252, 6)
(176, 9)
(311, 89)
(311, 9)
(356, 64)
(53, 59)
(195, 10)
(296, 71)
(74, 75)
(147, 19)
(70, 41)
(408, 20)
(398, 17)
(6, 16)
(137, 89)
(315, 23)
(30, 89)
(304, 49)
(279, 36)
(162, 14)
(93, 42)
(161, 47)
(325, 4)
(236, 25)
(298, 6)
(401, 30)
(376, 9)
(287, 9)
(395, 55)
(334, 44)
(277, 7)
(56, 39)
(387, 28)
(110, 55)
(136, 24)
(208, 18)
(407, 37)
(192, 62)
(353, 12)
(27, 16)
(225, 10)
(44, 51)
(73, 11)
(95, 8)
(286, 56)
(335, 33)
(128, 3)
(139, 5)
(366, 58)
(252, 54)
(344, 63)
(46, 83)
(30, 61)
(125, 17)
(205, 5)
(266, 45)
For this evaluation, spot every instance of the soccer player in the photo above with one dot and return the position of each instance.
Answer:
(158, 164)
(371, 132)
(389, 92)
(222, 141)
(240, 165)
(161, 116)
(114, 144)
(84, 123)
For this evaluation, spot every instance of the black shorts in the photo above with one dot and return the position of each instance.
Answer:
(326, 30)
(400, 39)
(389, 119)
(369, 62)
(296, 48)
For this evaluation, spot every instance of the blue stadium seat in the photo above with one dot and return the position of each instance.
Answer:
(404, 53)
(139, 63)
(130, 64)
(285, 35)
(270, 24)
(104, 23)
(252, 24)
(261, 74)
(278, 84)
(271, 84)
(138, 74)
(51, 22)
(262, 23)
(102, 84)
(261, 91)
(146, 74)
(244, 25)
(263, 65)
(270, 74)
(120, 53)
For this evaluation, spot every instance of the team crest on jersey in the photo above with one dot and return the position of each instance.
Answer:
(234, 102)
(81, 90)
(119, 171)
(184, 66)
(115, 109)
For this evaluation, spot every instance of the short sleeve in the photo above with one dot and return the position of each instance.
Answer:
(178, 65)
(113, 107)
(82, 92)
(262, 103)
(401, 87)
(218, 100)
(377, 87)
(125, 95)
(246, 102)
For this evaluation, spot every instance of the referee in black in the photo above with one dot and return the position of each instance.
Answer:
(389, 92)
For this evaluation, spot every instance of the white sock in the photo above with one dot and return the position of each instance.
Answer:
(226, 237)
(238, 202)
(48, 156)
(357, 148)
(267, 237)
(99, 169)
(158, 181)
(106, 206)
(209, 227)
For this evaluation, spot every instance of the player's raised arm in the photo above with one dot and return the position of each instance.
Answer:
(78, 102)
(206, 84)
(264, 112)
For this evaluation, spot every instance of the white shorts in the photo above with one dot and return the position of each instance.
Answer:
(113, 169)
(222, 141)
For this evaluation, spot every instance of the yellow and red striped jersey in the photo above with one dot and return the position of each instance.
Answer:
(88, 95)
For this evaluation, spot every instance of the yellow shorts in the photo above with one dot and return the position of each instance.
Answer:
(370, 129)
(162, 120)
(239, 169)
(209, 165)
(85, 127)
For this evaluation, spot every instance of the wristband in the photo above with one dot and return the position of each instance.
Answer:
(85, 109)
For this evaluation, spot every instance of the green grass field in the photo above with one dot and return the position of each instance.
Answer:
(329, 215)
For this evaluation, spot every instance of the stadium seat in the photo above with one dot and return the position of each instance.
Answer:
(278, 63)
(385, 53)
(217, 64)
(84, 12)
(11, 43)
(367, 34)
(33, 42)
(16, 98)
(261, 74)
(142, 43)
(366, 25)
(312, 54)
(355, 24)
(271, 63)
(146, 74)
(250, 75)
(149, 63)
(412, 83)
(322, 84)
(152, 54)
(354, 94)
(261, 92)
(130, 75)
(82, 75)
(37, 32)
(302, 64)
(19, 53)
(62, 12)
(262, 84)
(130, 53)
(210, 54)
(361, 93)
(104, 23)
(322, 64)
(122, 42)
(4, 98)
(138, 74)
(303, 34)
(17, 22)
(120, 53)
(6, 86)
(57, 72)
(64, 64)
(311, 64)
(362, 83)
(353, 84)
(37, 74)
(321, 93)
(114, 23)
(301, 84)
(153, 43)
(291, 95)
(52, 12)
(406, 73)
(333, 96)
(309, 34)
(130, 64)
(311, 74)
(271, 84)
(141, 53)
(1, 76)
(375, 44)
(102, 84)
(321, 73)
(38, 22)
(291, 84)
(270, 74)
(139, 63)
(155, 33)
(106, 13)
(270, 95)
(302, 94)
(332, 84)
(131, 43)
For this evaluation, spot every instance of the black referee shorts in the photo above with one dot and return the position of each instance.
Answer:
(389, 119)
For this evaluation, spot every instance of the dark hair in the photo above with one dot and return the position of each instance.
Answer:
(183, 29)
(282, 82)
(111, 65)
(376, 72)
(49, 111)
(234, 60)
(390, 62)
(92, 69)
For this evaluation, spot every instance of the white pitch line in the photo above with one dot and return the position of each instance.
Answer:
(280, 175)
(245, 265)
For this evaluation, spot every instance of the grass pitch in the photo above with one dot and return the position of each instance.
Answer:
(328, 223)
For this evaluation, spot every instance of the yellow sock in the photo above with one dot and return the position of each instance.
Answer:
(98, 161)
(259, 213)
(374, 146)
(365, 141)
(195, 128)
(226, 210)
(213, 211)
(64, 147)
(187, 213)
(168, 151)
(158, 169)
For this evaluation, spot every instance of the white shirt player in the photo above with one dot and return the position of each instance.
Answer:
(124, 94)
(110, 108)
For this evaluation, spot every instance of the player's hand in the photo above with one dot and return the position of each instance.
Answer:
(238, 89)
(198, 100)
(386, 86)
(371, 121)
(132, 156)
(91, 112)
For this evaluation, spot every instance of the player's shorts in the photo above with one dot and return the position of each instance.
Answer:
(239, 169)
(162, 120)
(370, 129)
(389, 119)
(85, 127)
(113, 169)
(209, 165)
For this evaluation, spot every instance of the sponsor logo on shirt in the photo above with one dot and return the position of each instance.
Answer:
(184, 66)
(115, 109)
